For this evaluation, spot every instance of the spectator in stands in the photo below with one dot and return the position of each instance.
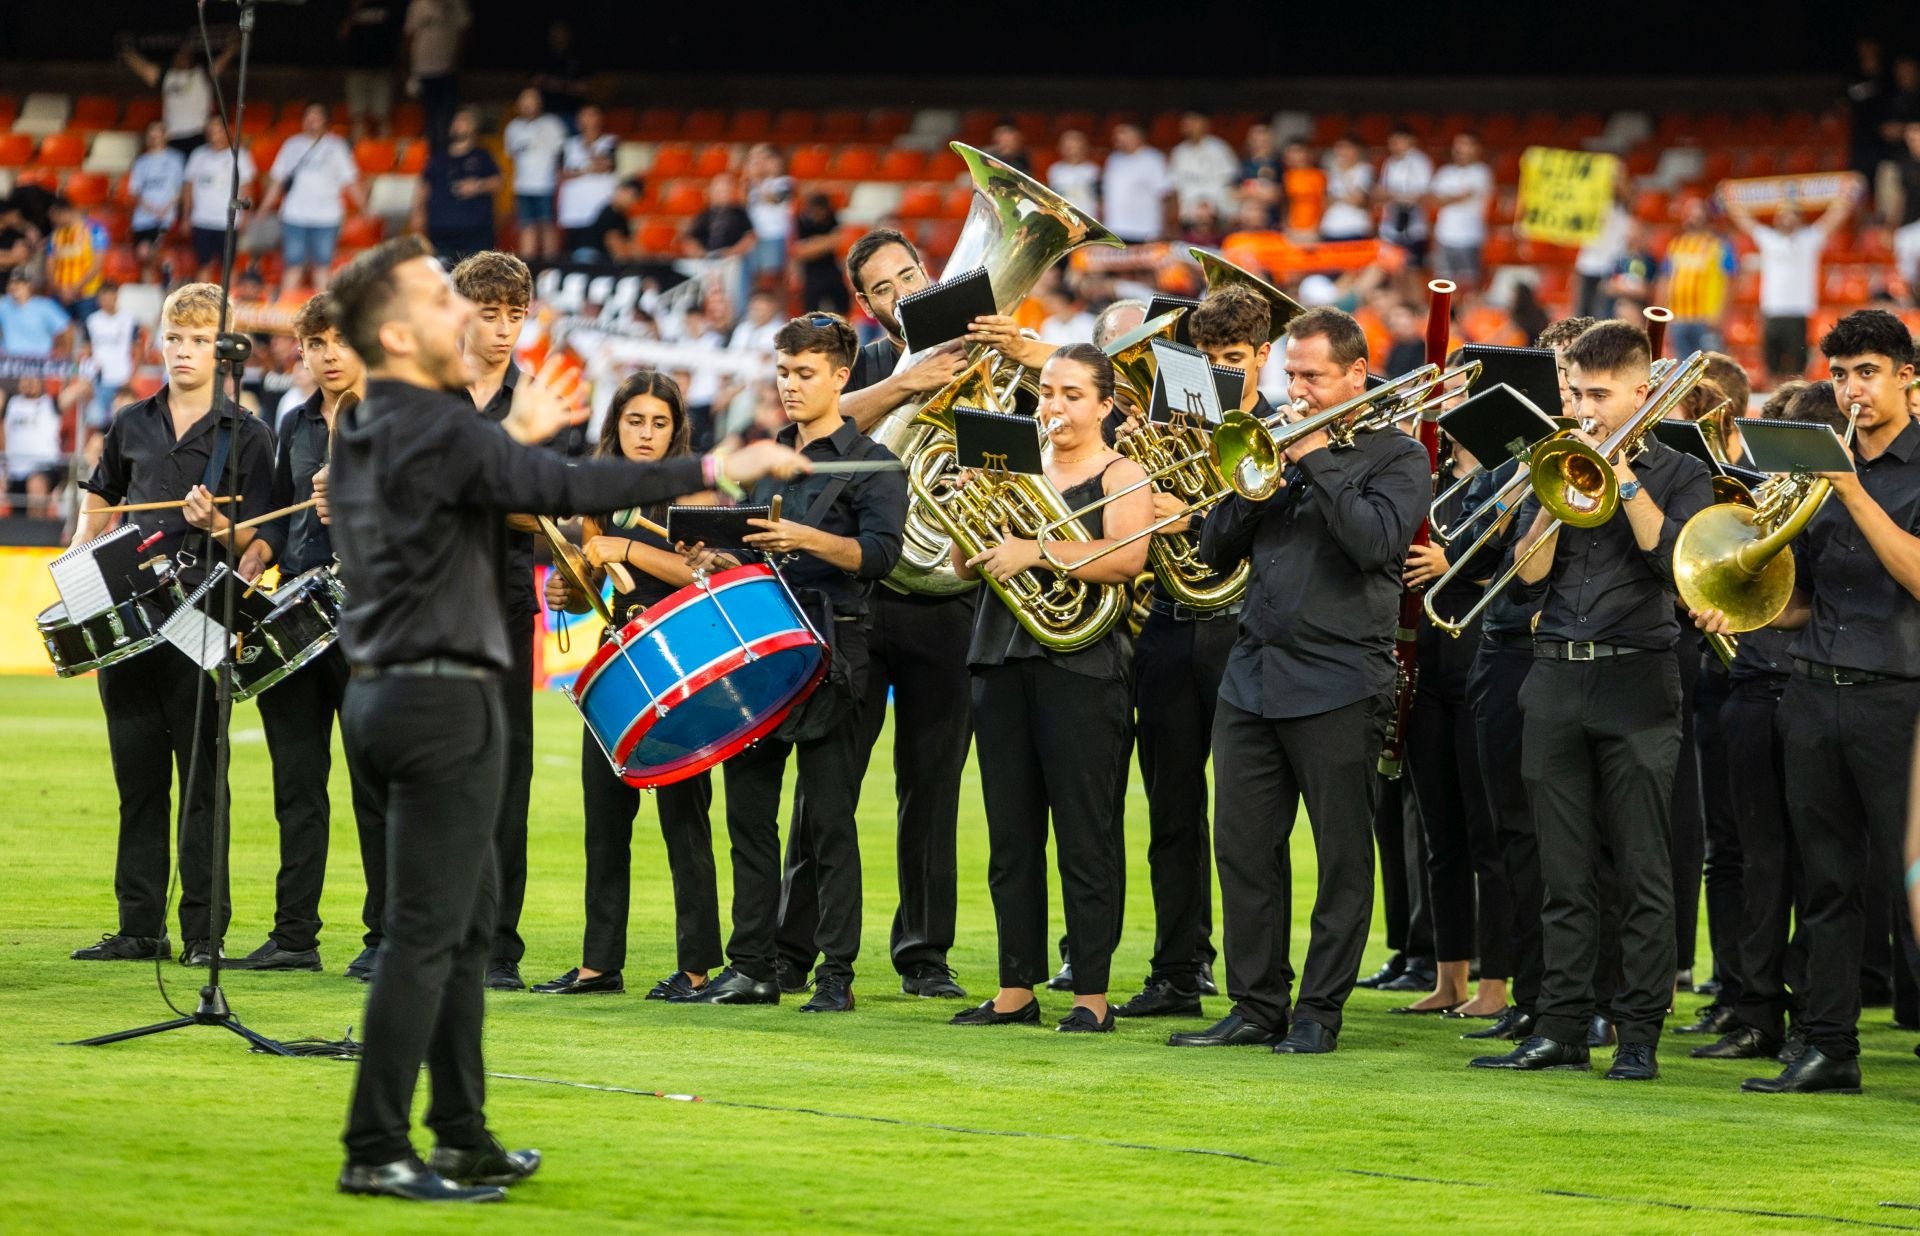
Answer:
(1407, 344)
(816, 243)
(434, 30)
(1066, 320)
(721, 232)
(453, 201)
(32, 325)
(1694, 280)
(755, 331)
(1866, 108)
(370, 46)
(208, 185)
(153, 182)
(586, 181)
(1306, 189)
(609, 238)
(186, 91)
(18, 238)
(1009, 145)
(1260, 173)
(1074, 175)
(113, 341)
(533, 140)
(76, 258)
(1789, 276)
(1405, 175)
(1462, 190)
(1600, 257)
(1906, 217)
(1203, 167)
(562, 80)
(1527, 313)
(1202, 225)
(1134, 187)
(770, 209)
(1346, 215)
(314, 167)
(35, 424)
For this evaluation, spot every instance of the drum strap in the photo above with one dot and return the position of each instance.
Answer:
(217, 465)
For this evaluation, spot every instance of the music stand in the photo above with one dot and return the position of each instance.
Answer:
(1498, 423)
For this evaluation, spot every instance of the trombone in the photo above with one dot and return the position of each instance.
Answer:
(1574, 483)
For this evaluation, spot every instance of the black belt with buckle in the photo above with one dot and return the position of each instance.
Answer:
(429, 667)
(1187, 613)
(1567, 650)
(1839, 675)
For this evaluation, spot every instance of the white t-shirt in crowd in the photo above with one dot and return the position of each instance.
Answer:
(534, 146)
(314, 170)
(435, 27)
(111, 337)
(1079, 183)
(1599, 256)
(1132, 188)
(1789, 271)
(210, 174)
(582, 197)
(747, 337)
(186, 100)
(1343, 220)
(770, 207)
(1462, 225)
(33, 435)
(1405, 178)
(1074, 328)
(1205, 170)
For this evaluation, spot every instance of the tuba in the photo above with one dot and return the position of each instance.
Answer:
(1016, 229)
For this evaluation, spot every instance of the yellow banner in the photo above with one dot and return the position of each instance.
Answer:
(25, 590)
(1565, 195)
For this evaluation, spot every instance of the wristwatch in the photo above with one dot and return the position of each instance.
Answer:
(1629, 491)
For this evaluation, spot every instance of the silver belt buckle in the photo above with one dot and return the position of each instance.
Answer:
(1573, 651)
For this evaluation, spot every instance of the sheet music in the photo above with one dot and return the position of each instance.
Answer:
(203, 640)
(78, 575)
(1188, 380)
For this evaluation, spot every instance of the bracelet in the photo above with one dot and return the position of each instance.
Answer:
(715, 467)
(1913, 874)
(626, 555)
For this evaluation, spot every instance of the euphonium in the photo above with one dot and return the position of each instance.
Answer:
(1016, 229)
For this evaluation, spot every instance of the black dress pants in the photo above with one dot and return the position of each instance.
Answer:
(1330, 760)
(610, 806)
(149, 702)
(1177, 667)
(1052, 746)
(1724, 865)
(432, 750)
(1772, 973)
(297, 714)
(1688, 843)
(917, 647)
(830, 878)
(1601, 741)
(1500, 666)
(510, 832)
(1850, 754)
(1402, 844)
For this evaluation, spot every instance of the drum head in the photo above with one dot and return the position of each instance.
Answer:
(741, 708)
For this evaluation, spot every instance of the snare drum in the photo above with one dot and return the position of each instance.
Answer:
(304, 623)
(126, 630)
(699, 676)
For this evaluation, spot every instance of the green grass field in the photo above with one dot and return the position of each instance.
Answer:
(883, 1120)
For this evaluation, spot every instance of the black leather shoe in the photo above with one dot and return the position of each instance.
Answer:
(676, 986)
(125, 948)
(1161, 998)
(931, 981)
(1232, 1030)
(1794, 1048)
(199, 953)
(1683, 981)
(492, 1164)
(571, 984)
(1712, 987)
(732, 987)
(1512, 1024)
(792, 979)
(361, 967)
(1600, 1032)
(1634, 1062)
(1307, 1038)
(1813, 1073)
(1740, 1043)
(1537, 1053)
(1027, 1015)
(413, 1181)
(1418, 976)
(1082, 1021)
(505, 976)
(1715, 1019)
(1207, 986)
(1407, 1010)
(271, 956)
(1395, 967)
(1063, 981)
(831, 994)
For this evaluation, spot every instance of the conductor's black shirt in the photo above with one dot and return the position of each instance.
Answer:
(1862, 618)
(870, 508)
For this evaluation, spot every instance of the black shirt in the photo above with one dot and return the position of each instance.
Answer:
(517, 597)
(445, 210)
(874, 364)
(418, 489)
(871, 508)
(141, 461)
(1316, 632)
(1762, 658)
(1862, 619)
(1469, 585)
(822, 285)
(610, 219)
(1602, 587)
(300, 541)
(719, 227)
(648, 590)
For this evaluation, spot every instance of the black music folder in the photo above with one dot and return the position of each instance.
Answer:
(1794, 446)
(722, 529)
(1531, 371)
(1496, 424)
(1183, 330)
(1186, 383)
(996, 441)
(1686, 437)
(943, 312)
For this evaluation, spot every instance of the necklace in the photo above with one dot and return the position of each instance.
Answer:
(1058, 458)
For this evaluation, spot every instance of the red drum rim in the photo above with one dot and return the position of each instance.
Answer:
(659, 612)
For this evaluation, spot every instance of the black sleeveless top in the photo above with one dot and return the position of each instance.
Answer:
(999, 638)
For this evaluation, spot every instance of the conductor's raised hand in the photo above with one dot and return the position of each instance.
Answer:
(762, 459)
(546, 403)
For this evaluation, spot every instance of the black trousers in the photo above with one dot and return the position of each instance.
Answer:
(510, 829)
(1773, 972)
(1601, 741)
(432, 750)
(1053, 746)
(149, 702)
(1500, 667)
(610, 806)
(1177, 667)
(298, 714)
(830, 876)
(1330, 760)
(1466, 879)
(1402, 844)
(1724, 868)
(1688, 844)
(1851, 749)
(917, 648)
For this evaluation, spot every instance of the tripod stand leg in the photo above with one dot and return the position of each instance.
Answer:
(121, 1036)
(259, 1040)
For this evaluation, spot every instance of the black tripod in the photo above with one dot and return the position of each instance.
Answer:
(231, 350)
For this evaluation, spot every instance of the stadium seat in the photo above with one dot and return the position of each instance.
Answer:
(362, 231)
(843, 124)
(42, 113)
(46, 177)
(622, 122)
(1651, 206)
(632, 158)
(809, 162)
(658, 124)
(112, 152)
(656, 236)
(375, 155)
(958, 202)
(264, 152)
(714, 159)
(121, 266)
(408, 120)
(853, 163)
(258, 121)
(94, 111)
(887, 124)
(750, 124)
(944, 164)
(931, 129)
(684, 197)
(795, 124)
(976, 125)
(413, 158)
(63, 150)
(871, 202)
(706, 124)
(86, 189)
(901, 163)
(15, 149)
(671, 159)
(920, 201)
(9, 110)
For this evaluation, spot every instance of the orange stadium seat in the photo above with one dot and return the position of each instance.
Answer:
(264, 152)
(958, 202)
(1083, 121)
(706, 124)
(1801, 161)
(657, 236)
(750, 124)
(1036, 127)
(843, 124)
(1757, 161)
(63, 150)
(94, 111)
(902, 163)
(853, 163)
(976, 126)
(1651, 206)
(620, 121)
(684, 197)
(409, 120)
(46, 177)
(920, 202)
(9, 111)
(713, 159)
(795, 124)
(672, 159)
(413, 158)
(259, 121)
(943, 164)
(362, 231)
(87, 188)
(375, 155)
(121, 266)
(888, 123)
(809, 162)
(15, 149)
(658, 124)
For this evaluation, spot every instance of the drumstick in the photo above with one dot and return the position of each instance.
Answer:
(865, 465)
(152, 506)
(270, 516)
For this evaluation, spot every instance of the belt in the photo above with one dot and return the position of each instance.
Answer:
(1840, 675)
(1508, 639)
(1187, 613)
(1566, 650)
(430, 667)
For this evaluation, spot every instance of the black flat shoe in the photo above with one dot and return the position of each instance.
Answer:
(1063, 981)
(412, 1181)
(1395, 966)
(361, 967)
(271, 956)
(1454, 1014)
(1715, 1019)
(1815, 1072)
(571, 984)
(1441, 1010)
(732, 987)
(1536, 1054)
(505, 976)
(831, 994)
(1027, 1015)
(1307, 1038)
(199, 953)
(1418, 976)
(1232, 1030)
(1740, 1043)
(1794, 1048)
(492, 1164)
(1161, 998)
(125, 948)
(1207, 986)
(1512, 1024)
(1600, 1032)
(931, 981)
(676, 986)
(1634, 1062)
(792, 979)
(1082, 1021)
